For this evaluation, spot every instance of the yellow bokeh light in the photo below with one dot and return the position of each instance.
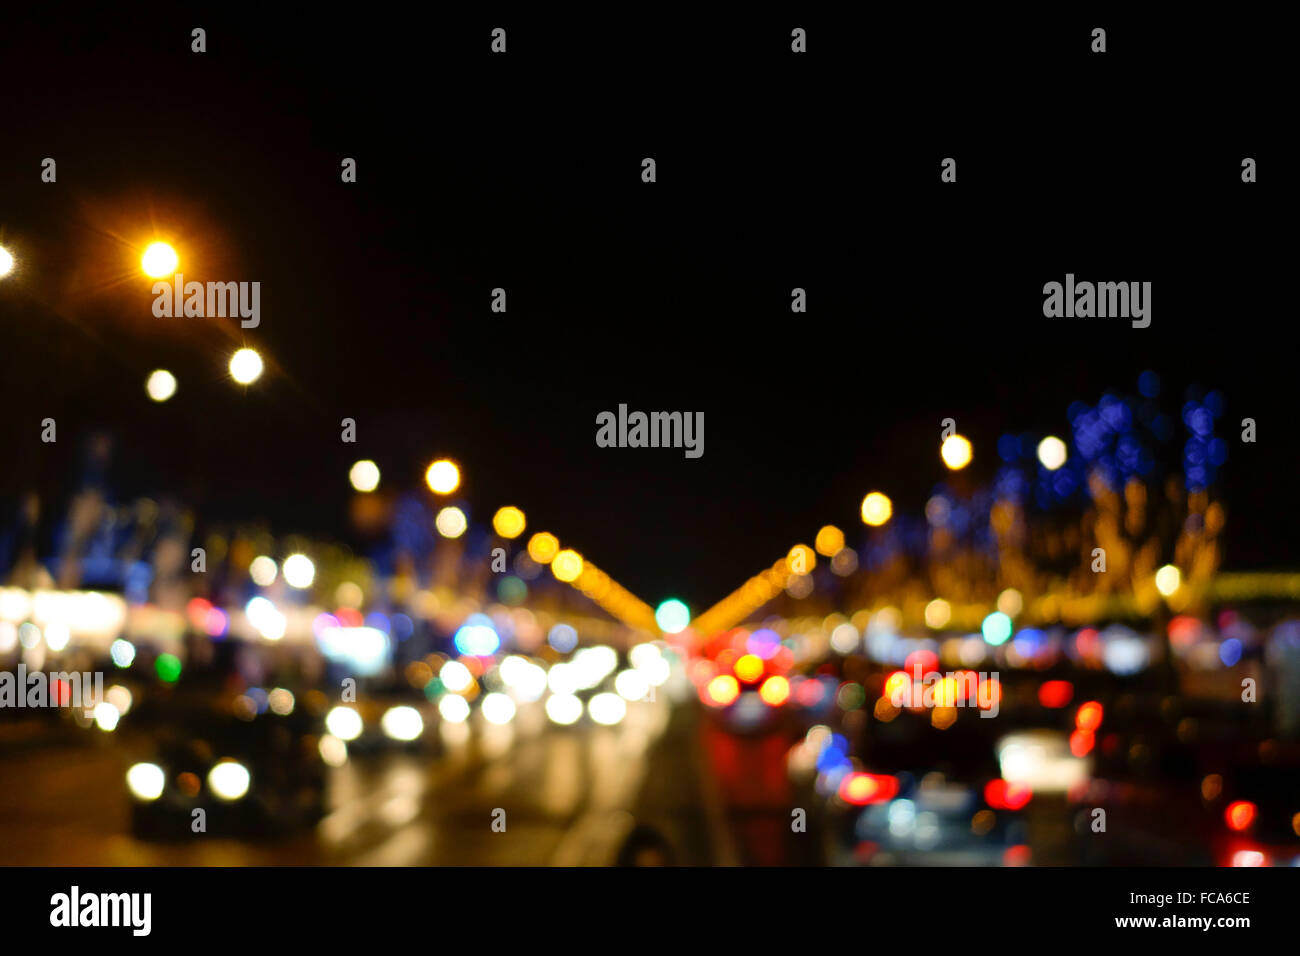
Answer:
(801, 559)
(567, 565)
(876, 509)
(1168, 580)
(1011, 602)
(6, 262)
(938, 613)
(542, 547)
(443, 477)
(509, 522)
(364, 476)
(829, 541)
(955, 452)
(451, 522)
(246, 366)
(749, 668)
(159, 260)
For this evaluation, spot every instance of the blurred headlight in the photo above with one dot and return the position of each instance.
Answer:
(453, 709)
(607, 709)
(563, 709)
(632, 685)
(106, 715)
(498, 709)
(344, 723)
(145, 780)
(333, 751)
(228, 780)
(402, 723)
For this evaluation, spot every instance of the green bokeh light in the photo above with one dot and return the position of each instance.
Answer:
(168, 667)
(672, 616)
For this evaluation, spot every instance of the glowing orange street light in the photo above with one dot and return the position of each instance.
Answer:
(443, 477)
(159, 260)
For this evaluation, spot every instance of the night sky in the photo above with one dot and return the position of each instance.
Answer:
(523, 171)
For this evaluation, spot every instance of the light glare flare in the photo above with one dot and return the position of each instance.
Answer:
(246, 366)
(159, 260)
(299, 571)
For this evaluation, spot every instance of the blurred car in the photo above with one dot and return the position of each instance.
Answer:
(388, 719)
(261, 776)
(899, 821)
(1259, 817)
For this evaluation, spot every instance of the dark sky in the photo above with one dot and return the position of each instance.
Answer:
(523, 171)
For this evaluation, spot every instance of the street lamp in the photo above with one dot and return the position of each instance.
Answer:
(876, 509)
(159, 260)
(246, 366)
(161, 385)
(451, 522)
(1052, 452)
(955, 452)
(443, 477)
(543, 546)
(509, 522)
(567, 566)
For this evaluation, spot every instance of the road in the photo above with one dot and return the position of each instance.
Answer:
(569, 796)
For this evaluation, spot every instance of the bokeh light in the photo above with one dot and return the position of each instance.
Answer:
(829, 541)
(364, 475)
(567, 565)
(246, 366)
(159, 260)
(876, 509)
(996, 628)
(509, 522)
(1052, 452)
(1168, 580)
(938, 613)
(299, 571)
(672, 616)
(451, 522)
(442, 477)
(161, 385)
(955, 452)
(543, 546)
(263, 571)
